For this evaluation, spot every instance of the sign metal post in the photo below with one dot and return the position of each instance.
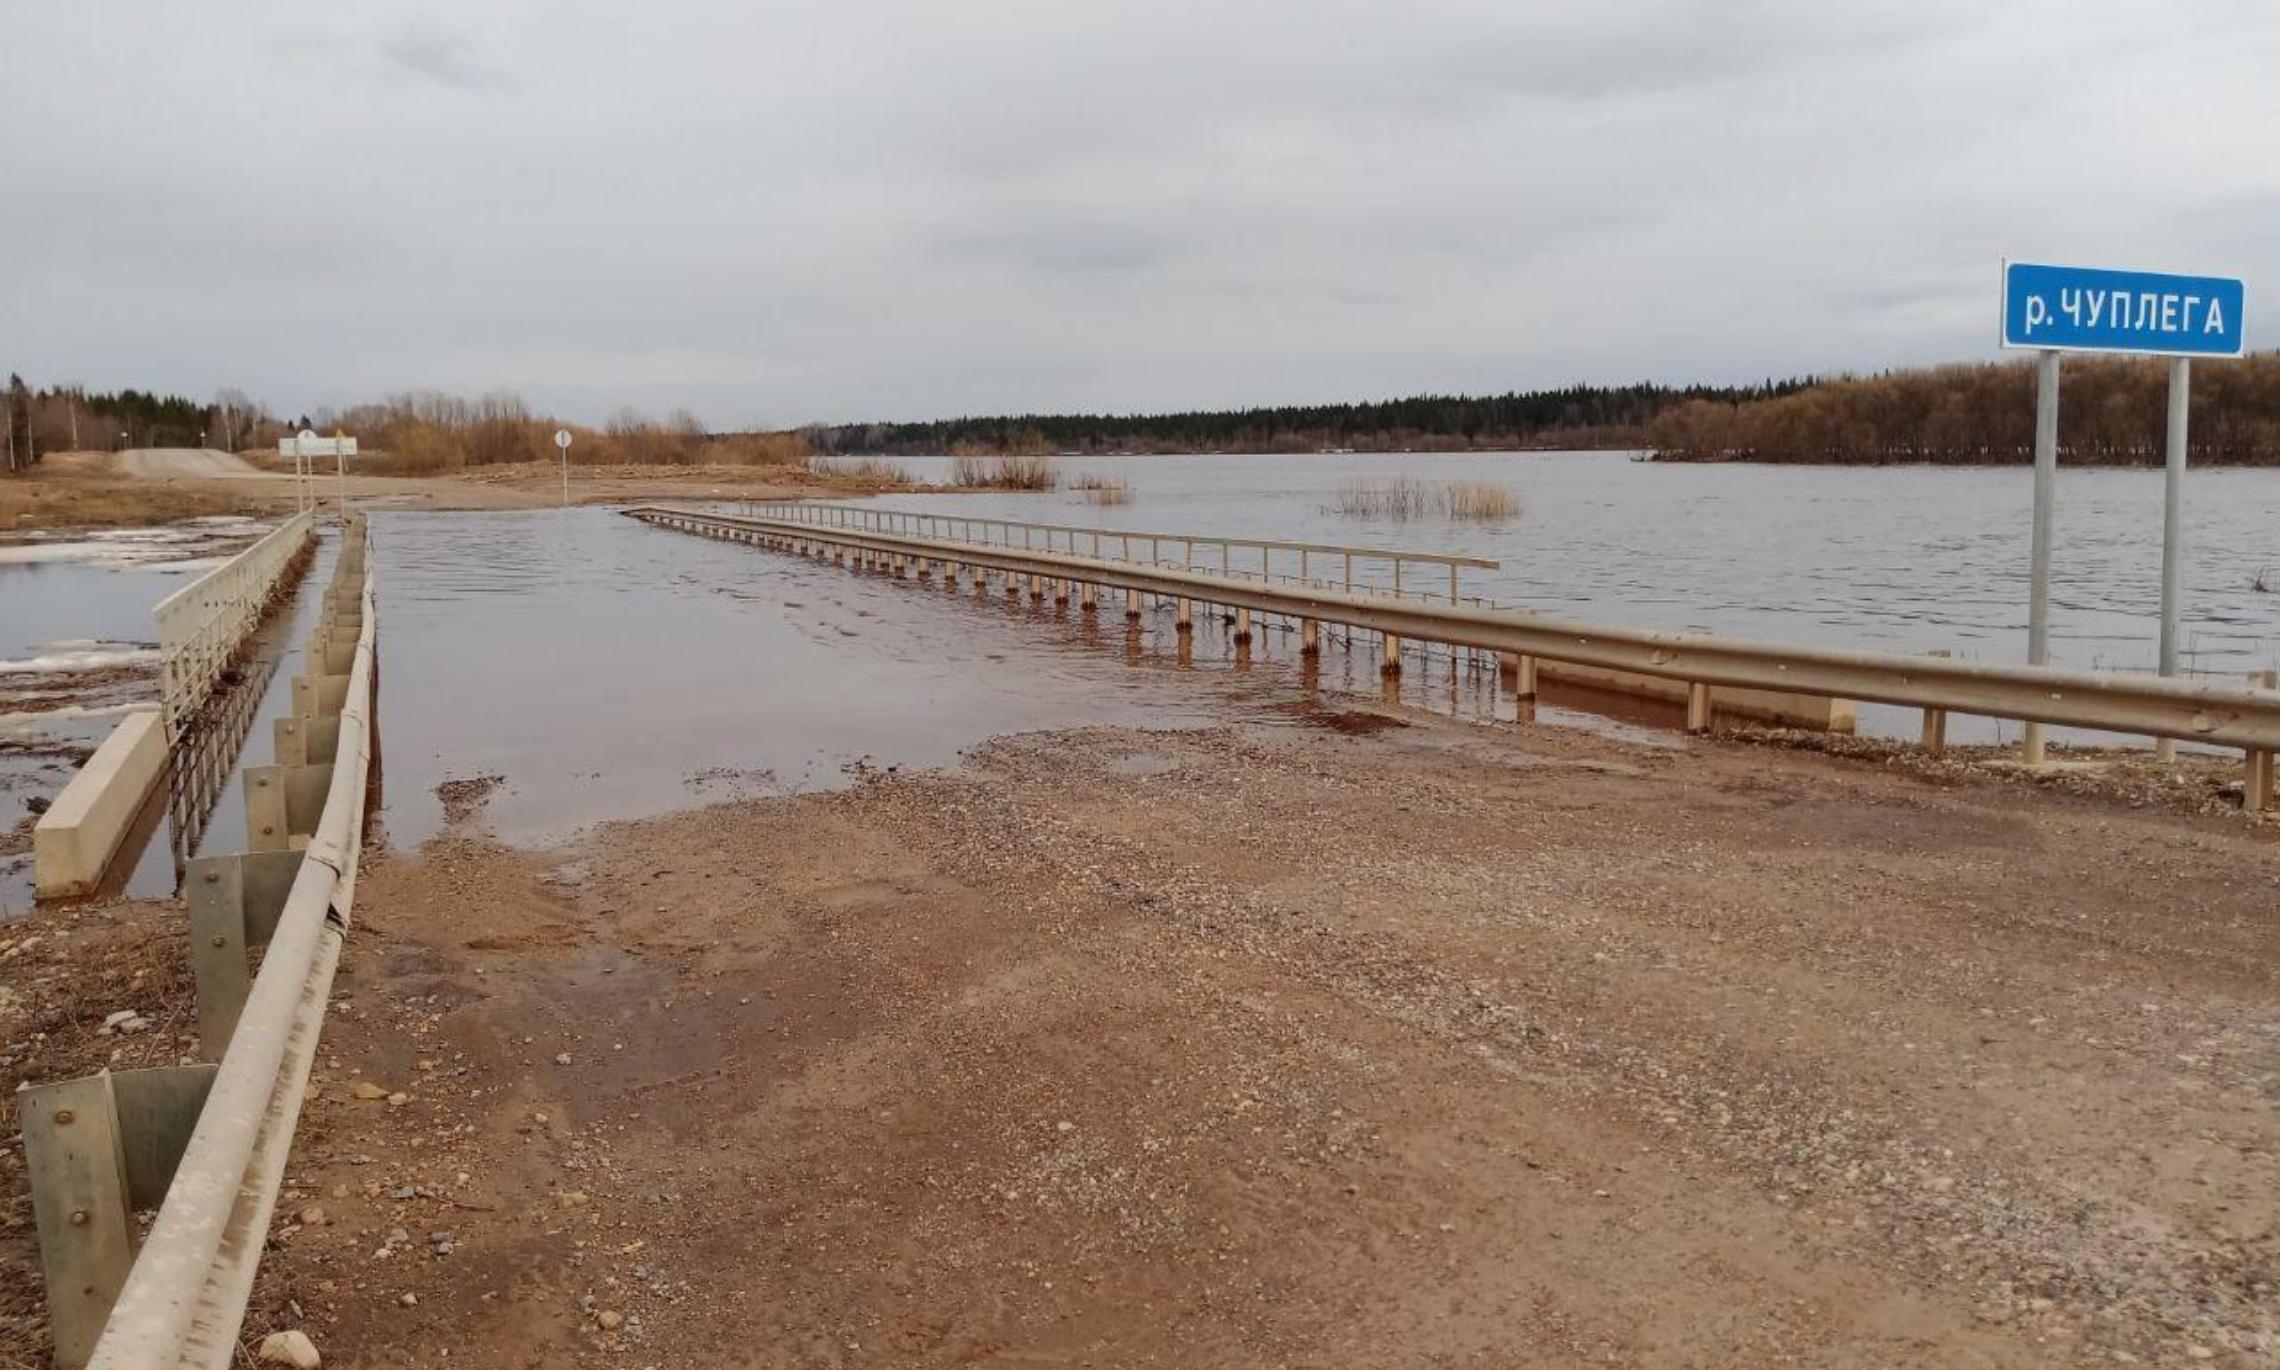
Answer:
(2055, 309)
(562, 440)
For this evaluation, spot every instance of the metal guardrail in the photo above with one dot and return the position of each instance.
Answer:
(2189, 710)
(207, 1144)
(1374, 568)
(201, 625)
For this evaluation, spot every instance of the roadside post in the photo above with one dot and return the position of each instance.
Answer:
(562, 440)
(2055, 309)
(340, 467)
(305, 466)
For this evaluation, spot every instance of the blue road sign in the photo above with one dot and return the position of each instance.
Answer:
(2083, 309)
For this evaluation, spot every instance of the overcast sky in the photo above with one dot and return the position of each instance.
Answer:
(842, 209)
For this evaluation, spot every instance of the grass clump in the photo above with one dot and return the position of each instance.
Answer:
(1406, 498)
(1020, 471)
(1105, 489)
(863, 470)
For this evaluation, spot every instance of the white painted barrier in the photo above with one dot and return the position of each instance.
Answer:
(201, 625)
(74, 841)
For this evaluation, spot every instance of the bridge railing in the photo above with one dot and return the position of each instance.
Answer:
(206, 1145)
(2187, 709)
(201, 625)
(1399, 571)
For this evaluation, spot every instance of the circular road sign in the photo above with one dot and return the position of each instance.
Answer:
(562, 438)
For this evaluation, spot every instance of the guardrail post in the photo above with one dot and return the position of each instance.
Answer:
(234, 906)
(282, 803)
(318, 696)
(2258, 781)
(1091, 597)
(1242, 625)
(1389, 662)
(1935, 725)
(1309, 637)
(78, 1176)
(1185, 620)
(95, 1150)
(1131, 606)
(1036, 586)
(1697, 707)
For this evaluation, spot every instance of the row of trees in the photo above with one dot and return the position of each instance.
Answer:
(72, 418)
(2112, 412)
(418, 431)
(1576, 415)
(426, 431)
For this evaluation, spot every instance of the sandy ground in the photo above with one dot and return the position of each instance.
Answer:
(1364, 1041)
(144, 463)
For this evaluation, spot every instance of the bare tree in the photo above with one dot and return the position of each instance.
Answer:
(236, 411)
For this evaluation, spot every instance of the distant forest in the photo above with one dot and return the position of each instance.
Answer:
(2111, 413)
(68, 418)
(1574, 416)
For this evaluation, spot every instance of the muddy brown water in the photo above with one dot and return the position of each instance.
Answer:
(608, 669)
(602, 668)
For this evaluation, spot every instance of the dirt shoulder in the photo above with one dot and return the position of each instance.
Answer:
(1423, 1045)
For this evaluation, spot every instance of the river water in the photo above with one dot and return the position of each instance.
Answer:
(1901, 558)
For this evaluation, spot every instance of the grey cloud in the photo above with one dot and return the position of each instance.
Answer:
(447, 59)
(1065, 245)
(810, 209)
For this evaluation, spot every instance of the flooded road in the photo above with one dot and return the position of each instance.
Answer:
(607, 669)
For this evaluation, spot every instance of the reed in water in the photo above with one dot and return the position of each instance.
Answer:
(1018, 472)
(873, 470)
(1105, 489)
(1404, 498)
